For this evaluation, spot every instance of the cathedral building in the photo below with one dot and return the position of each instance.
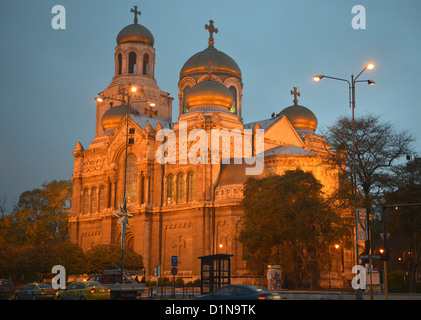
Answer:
(181, 208)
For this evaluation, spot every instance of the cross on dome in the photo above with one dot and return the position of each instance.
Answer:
(135, 13)
(211, 30)
(295, 93)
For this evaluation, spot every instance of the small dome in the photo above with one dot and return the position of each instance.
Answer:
(210, 94)
(301, 118)
(135, 33)
(221, 62)
(112, 117)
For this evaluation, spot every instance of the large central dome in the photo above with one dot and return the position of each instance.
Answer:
(221, 62)
(199, 63)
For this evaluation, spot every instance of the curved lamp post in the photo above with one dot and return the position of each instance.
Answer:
(123, 214)
(351, 86)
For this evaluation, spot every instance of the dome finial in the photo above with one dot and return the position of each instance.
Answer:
(211, 30)
(295, 93)
(135, 13)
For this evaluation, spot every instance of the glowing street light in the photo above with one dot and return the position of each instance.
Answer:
(351, 85)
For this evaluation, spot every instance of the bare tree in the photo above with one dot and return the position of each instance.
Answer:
(378, 147)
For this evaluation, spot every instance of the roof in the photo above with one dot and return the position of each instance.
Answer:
(289, 150)
(233, 173)
(144, 121)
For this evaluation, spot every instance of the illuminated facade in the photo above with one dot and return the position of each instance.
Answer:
(183, 209)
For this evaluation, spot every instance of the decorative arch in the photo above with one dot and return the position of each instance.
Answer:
(206, 77)
(191, 186)
(170, 188)
(145, 64)
(132, 65)
(180, 187)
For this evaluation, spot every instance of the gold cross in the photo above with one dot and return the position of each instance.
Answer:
(135, 13)
(211, 30)
(295, 94)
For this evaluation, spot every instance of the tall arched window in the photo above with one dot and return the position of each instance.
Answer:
(145, 63)
(85, 202)
(94, 200)
(233, 108)
(185, 92)
(131, 178)
(190, 186)
(180, 187)
(170, 188)
(101, 196)
(132, 62)
(120, 63)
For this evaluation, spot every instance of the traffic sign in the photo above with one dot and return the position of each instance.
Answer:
(372, 257)
(157, 271)
(173, 271)
(174, 261)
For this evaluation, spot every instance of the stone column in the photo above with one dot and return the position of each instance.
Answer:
(113, 193)
(139, 188)
(147, 236)
(107, 193)
(148, 186)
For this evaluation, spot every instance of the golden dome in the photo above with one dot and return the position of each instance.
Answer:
(135, 33)
(301, 118)
(209, 94)
(221, 63)
(113, 116)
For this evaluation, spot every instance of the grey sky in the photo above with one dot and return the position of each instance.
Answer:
(49, 78)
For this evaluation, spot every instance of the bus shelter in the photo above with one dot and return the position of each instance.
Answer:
(215, 272)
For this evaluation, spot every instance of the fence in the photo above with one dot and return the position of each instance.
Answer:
(171, 292)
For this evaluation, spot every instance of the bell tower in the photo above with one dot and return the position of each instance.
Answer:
(134, 61)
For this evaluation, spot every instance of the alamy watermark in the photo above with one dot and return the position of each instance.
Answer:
(59, 280)
(195, 147)
(59, 20)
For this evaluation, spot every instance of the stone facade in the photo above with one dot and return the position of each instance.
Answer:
(184, 209)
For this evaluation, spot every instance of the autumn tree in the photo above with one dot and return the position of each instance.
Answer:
(40, 215)
(289, 211)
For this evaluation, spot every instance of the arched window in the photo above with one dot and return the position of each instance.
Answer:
(120, 63)
(233, 108)
(185, 92)
(101, 196)
(170, 188)
(180, 187)
(145, 63)
(190, 186)
(94, 200)
(132, 62)
(85, 202)
(131, 178)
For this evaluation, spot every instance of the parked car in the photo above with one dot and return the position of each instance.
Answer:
(7, 289)
(35, 291)
(241, 292)
(84, 290)
(121, 284)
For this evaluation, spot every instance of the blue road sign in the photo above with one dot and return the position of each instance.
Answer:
(174, 261)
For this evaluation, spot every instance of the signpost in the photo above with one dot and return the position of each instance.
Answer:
(157, 273)
(174, 264)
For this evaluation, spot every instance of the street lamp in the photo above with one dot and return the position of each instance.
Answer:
(351, 86)
(123, 214)
(330, 282)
